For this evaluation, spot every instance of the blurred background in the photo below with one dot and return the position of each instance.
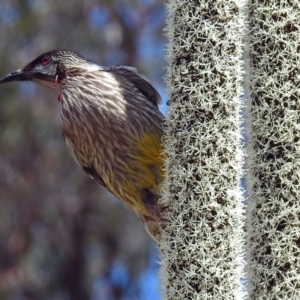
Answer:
(62, 237)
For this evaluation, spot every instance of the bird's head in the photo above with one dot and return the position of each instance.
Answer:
(48, 69)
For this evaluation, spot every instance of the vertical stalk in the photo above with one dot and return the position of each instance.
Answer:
(273, 214)
(202, 243)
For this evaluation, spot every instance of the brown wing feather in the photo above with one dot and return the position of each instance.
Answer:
(139, 81)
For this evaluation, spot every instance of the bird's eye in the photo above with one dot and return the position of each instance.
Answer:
(46, 60)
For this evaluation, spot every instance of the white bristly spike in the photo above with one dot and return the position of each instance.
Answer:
(273, 214)
(202, 244)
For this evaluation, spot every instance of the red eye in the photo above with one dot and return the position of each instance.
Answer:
(45, 60)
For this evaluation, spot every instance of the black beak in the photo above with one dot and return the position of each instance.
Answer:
(18, 75)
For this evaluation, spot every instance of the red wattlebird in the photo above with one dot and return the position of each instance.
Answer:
(111, 124)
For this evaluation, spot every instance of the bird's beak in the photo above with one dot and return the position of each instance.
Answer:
(18, 75)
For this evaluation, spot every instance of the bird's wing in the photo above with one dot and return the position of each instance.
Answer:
(138, 80)
(90, 170)
(82, 162)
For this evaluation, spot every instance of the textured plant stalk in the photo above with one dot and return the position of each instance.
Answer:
(202, 244)
(273, 214)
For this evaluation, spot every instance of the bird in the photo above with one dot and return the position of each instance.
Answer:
(111, 123)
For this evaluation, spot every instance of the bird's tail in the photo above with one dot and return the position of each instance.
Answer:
(152, 225)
